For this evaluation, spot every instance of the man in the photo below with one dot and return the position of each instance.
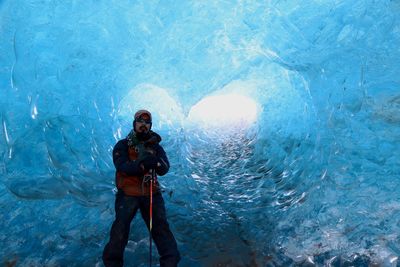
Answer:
(135, 158)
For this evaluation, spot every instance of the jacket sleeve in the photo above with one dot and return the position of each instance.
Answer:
(122, 162)
(163, 168)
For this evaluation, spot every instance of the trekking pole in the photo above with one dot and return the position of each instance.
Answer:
(151, 210)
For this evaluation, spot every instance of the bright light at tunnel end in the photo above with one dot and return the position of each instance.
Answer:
(229, 110)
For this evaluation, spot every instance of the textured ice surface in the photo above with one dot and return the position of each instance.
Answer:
(315, 181)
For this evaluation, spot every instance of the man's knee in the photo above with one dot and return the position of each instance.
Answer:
(122, 223)
(119, 234)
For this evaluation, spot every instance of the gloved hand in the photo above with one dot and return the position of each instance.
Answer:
(149, 162)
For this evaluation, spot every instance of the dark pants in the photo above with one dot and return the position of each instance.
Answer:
(125, 210)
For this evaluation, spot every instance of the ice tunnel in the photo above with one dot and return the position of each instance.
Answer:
(280, 120)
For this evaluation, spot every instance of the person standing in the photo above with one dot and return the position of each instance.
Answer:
(136, 158)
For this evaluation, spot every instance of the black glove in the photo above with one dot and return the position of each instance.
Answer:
(149, 162)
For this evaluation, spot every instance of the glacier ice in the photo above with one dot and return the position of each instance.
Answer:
(312, 182)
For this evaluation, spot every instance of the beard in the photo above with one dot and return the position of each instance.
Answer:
(143, 129)
(143, 132)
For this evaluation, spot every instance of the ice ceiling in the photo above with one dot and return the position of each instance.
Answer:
(312, 180)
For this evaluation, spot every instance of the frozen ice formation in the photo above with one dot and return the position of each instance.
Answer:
(312, 180)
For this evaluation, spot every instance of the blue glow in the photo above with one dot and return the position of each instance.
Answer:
(314, 180)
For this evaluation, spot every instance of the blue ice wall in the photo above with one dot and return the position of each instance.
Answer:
(314, 182)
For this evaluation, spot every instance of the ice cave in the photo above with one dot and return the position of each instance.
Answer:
(280, 119)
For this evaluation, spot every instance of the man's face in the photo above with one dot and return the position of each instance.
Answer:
(143, 124)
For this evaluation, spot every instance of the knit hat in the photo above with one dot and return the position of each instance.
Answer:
(142, 112)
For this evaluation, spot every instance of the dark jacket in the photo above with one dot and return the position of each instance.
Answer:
(129, 174)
